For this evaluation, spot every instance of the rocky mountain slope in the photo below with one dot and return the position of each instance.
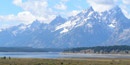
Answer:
(88, 28)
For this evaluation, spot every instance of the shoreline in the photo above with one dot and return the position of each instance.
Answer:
(93, 54)
(66, 55)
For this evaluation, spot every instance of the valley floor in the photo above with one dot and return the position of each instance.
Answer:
(65, 61)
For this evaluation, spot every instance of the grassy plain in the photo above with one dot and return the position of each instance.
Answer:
(65, 61)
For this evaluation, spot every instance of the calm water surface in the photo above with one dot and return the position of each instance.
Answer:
(50, 55)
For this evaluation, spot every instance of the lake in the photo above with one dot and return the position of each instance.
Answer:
(52, 55)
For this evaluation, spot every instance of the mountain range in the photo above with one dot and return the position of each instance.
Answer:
(88, 28)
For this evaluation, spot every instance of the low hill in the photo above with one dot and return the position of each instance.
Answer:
(123, 49)
(30, 49)
(21, 49)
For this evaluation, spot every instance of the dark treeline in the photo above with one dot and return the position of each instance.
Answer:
(101, 48)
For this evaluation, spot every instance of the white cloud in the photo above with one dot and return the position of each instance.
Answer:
(37, 8)
(73, 13)
(4, 26)
(64, 0)
(33, 9)
(79, 7)
(67, 14)
(60, 6)
(126, 2)
(22, 17)
(101, 5)
(17, 2)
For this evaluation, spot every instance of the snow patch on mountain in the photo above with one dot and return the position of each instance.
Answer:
(23, 27)
(90, 14)
(111, 25)
(14, 33)
(76, 21)
(89, 25)
(125, 35)
(87, 28)
(68, 24)
(64, 31)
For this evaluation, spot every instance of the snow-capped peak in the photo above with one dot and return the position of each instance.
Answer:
(77, 20)
(89, 15)
(88, 28)
(88, 10)
(58, 20)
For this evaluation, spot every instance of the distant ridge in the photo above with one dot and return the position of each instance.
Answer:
(86, 29)
(29, 49)
(117, 49)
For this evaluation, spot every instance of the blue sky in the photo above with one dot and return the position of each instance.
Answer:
(14, 12)
(6, 7)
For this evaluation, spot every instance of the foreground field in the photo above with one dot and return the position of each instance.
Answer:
(65, 61)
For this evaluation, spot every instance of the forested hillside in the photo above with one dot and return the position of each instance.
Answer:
(123, 49)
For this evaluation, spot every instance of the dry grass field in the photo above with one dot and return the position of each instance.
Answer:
(65, 61)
